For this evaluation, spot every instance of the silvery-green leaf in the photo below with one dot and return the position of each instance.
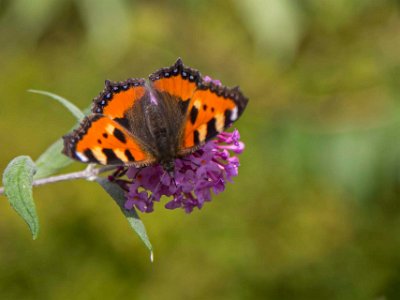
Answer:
(71, 107)
(17, 181)
(118, 195)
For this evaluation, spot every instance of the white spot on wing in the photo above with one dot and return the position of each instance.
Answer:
(234, 114)
(81, 157)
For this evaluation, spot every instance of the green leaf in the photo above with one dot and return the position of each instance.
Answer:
(17, 181)
(71, 107)
(118, 195)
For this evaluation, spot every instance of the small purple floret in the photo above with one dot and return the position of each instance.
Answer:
(197, 176)
(209, 79)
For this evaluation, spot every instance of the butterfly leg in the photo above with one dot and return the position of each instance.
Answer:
(120, 171)
(115, 177)
(188, 160)
(138, 172)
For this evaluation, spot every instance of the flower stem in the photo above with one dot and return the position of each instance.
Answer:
(90, 173)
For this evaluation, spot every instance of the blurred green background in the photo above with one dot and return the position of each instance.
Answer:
(314, 212)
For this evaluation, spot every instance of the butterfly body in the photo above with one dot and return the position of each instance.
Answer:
(156, 122)
(134, 123)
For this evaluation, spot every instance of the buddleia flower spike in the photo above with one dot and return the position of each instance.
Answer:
(197, 176)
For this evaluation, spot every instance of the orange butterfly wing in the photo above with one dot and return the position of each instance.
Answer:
(119, 97)
(209, 108)
(101, 140)
(103, 136)
(177, 80)
(212, 109)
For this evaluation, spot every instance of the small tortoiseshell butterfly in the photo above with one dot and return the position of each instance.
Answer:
(134, 123)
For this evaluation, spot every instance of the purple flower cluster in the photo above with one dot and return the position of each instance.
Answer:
(208, 169)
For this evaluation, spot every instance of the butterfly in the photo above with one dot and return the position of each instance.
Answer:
(138, 123)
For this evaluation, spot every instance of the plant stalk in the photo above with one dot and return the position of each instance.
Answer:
(90, 173)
